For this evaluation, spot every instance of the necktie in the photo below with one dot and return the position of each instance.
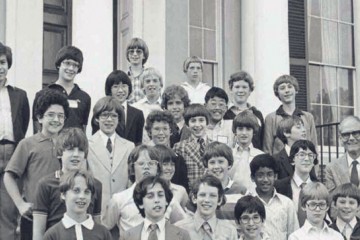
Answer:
(354, 177)
(109, 145)
(201, 141)
(301, 212)
(207, 230)
(152, 235)
(347, 231)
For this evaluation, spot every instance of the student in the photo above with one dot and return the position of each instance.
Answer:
(152, 196)
(218, 129)
(72, 150)
(77, 189)
(69, 62)
(280, 210)
(196, 89)
(315, 202)
(245, 126)
(108, 152)
(35, 156)
(137, 53)
(192, 149)
(241, 85)
(207, 195)
(175, 99)
(346, 200)
(14, 122)
(250, 214)
(285, 88)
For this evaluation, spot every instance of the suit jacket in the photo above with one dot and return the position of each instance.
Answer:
(171, 232)
(113, 178)
(337, 172)
(285, 167)
(355, 235)
(283, 186)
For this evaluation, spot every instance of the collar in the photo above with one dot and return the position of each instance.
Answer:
(287, 149)
(58, 174)
(196, 138)
(181, 124)
(124, 104)
(105, 138)
(341, 223)
(68, 222)
(57, 86)
(230, 183)
(350, 160)
(199, 221)
(161, 224)
(145, 100)
(298, 181)
(310, 228)
(280, 111)
(42, 138)
(5, 84)
(219, 124)
(199, 86)
(275, 195)
(232, 105)
(241, 149)
(131, 74)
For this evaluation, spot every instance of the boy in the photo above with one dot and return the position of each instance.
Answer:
(192, 149)
(193, 68)
(250, 215)
(72, 150)
(14, 121)
(207, 195)
(152, 196)
(346, 200)
(35, 156)
(241, 85)
(77, 189)
(280, 210)
(69, 62)
(218, 129)
(285, 88)
(315, 202)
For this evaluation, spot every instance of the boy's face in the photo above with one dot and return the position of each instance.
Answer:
(68, 69)
(4, 67)
(219, 167)
(244, 135)
(251, 224)
(347, 208)
(197, 126)
(303, 161)
(264, 180)
(176, 108)
(206, 200)
(152, 86)
(120, 91)
(154, 203)
(241, 91)
(315, 211)
(286, 93)
(144, 166)
(53, 120)
(108, 121)
(136, 56)
(168, 170)
(217, 108)
(73, 159)
(160, 132)
(194, 73)
(297, 132)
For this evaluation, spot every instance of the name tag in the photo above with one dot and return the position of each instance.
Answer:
(73, 103)
(222, 139)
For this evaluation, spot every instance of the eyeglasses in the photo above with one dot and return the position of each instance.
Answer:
(151, 163)
(302, 155)
(106, 115)
(246, 219)
(70, 64)
(52, 115)
(119, 86)
(137, 51)
(313, 205)
(157, 130)
(346, 135)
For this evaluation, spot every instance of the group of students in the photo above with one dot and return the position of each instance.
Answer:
(186, 162)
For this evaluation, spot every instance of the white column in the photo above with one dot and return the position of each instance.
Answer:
(357, 55)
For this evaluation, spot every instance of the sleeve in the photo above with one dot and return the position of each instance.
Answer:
(111, 214)
(98, 198)
(268, 135)
(42, 199)
(181, 174)
(140, 129)
(329, 178)
(293, 222)
(25, 113)
(19, 160)
(312, 126)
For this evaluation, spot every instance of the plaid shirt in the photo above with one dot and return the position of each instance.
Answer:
(189, 149)
(137, 91)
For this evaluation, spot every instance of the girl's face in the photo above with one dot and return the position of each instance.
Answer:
(168, 170)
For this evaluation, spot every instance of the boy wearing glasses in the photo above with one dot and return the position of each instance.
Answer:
(315, 201)
(69, 62)
(36, 156)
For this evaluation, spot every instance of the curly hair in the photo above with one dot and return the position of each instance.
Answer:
(159, 116)
(48, 97)
(174, 90)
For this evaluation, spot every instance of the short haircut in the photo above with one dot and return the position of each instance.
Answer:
(285, 79)
(141, 189)
(196, 110)
(108, 103)
(285, 126)
(175, 90)
(302, 144)
(249, 204)
(47, 98)
(246, 119)
(150, 72)
(69, 52)
(166, 154)
(67, 181)
(314, 191)
(218, 149)
(263, 160)
(139, 44)
(346, 190)
(159, 116)
(241, 76)
(5, 50)
(117, 77)
(216, 92)
(70, 138)
(134, 156)
(193, 59)
(348, 118)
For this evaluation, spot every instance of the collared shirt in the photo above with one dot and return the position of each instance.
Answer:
(137, 91)
(341, 226)
(309, 232)
(350, 160)
(181, 124)
(196, 95)
(105, 138)
(6, 124)
(263, 236)
(281, 217)
(287, 149)
(221, 132)
(124, 105)
(295, 187)
(68, 222)
(160, 231)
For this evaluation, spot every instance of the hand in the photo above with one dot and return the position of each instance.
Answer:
(25, 209)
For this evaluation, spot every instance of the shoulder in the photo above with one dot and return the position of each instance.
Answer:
(185, 223)
(333, 164)
(177, 230)
(124, 142)
(16, 90)
(271, 116)
(81, 92)
(55, 231)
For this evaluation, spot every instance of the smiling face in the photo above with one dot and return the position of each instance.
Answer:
(206, 200)
(303, 163)
(53, 120)
(68, 70)
(152, 86)
(297, 132)
(154, 203)
(286, 93)
(120, 91)
(144, 166)
(217, 108)
(176, 108)
(160, 133)
(264, 179)
(351, 144)
(4, 67)
(251, 225)
(197, 126)
(219, 167)
(168, 170)
(108, 121)
(347, 208)
(73, 159)
(136, 56)
(194, 73)
(240, 91)
(244, 136)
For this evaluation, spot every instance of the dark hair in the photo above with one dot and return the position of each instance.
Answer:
(140, 191)
(285, 79)
(216, 92)
(192, 59)
(241, 76)
(159, 116)
(285, 126)
(249, 204)
(47, 98)
(302, 144)
(196, 110)
(69, 52)
(108, 104)
(246, 119)
(263, 160)
(67, 181)
(140, 44)
(116, 77)
(70, 138)
(346, 190)
(218, 149)
(5, 50)
(174, 90)
(166, 154)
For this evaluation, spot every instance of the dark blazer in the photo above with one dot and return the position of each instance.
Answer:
(355, 235)
(171, 232)
(283, 186)
(20, 112)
